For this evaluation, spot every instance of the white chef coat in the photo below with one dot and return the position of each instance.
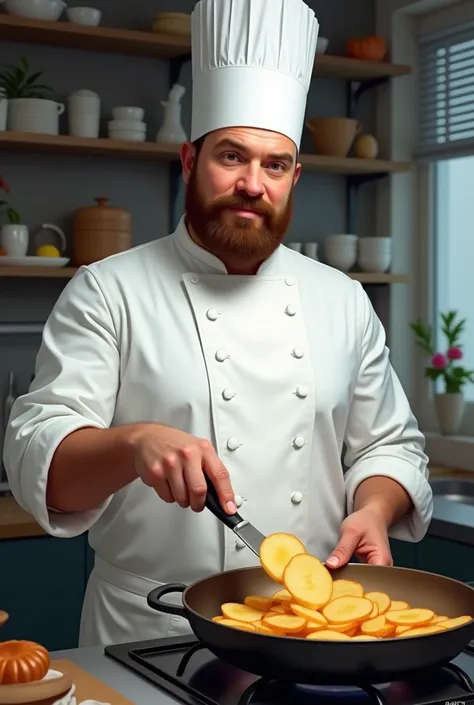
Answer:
(278, 370)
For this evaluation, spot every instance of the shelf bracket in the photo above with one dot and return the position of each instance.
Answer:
(175, 66)
(356, 89)
(353, 183)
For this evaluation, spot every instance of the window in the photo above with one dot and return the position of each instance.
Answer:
(445, 155)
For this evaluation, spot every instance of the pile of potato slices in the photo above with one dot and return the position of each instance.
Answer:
(310, 604)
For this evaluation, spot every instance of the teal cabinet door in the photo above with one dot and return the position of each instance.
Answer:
(404, 553)
(42, 583)
(445, 557)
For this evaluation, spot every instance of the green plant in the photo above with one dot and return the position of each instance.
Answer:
(12, 214)
(17, 82)
(443, 365)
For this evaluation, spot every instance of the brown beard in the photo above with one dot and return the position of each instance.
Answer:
(230, 237)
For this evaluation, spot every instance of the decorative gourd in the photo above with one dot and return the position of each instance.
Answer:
(22, 662)
(366, 147)
(371, 48)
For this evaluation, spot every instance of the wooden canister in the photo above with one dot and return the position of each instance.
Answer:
(100, 231)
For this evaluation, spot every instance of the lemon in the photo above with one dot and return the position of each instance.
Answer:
(48, 251)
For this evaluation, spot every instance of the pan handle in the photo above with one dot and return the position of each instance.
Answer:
(154, 599)
(214, 505)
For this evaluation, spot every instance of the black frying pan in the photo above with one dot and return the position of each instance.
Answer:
(322, 662)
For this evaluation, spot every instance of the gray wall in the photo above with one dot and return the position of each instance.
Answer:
(47, 188)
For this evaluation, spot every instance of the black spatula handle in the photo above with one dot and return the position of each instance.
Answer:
(214, 505)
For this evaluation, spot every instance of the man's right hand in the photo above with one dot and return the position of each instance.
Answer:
(174, 462)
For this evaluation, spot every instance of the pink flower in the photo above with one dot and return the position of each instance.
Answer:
(454, 354)
(438, 361)
(3, 185)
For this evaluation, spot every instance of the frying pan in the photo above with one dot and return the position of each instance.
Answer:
(308, 661)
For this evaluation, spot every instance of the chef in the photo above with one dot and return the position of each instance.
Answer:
(216, 349)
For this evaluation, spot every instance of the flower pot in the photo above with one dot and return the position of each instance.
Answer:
(449, 412)
(34, 115)
(14, 239)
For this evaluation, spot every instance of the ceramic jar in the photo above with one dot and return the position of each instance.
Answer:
(100, 231)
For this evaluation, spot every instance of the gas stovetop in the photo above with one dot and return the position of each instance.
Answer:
(185, 669)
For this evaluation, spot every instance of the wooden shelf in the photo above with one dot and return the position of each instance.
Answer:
(102, 39)
(161, 152)
(163, 46)
(68, 272)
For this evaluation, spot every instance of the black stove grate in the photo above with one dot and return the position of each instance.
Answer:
(184, 668)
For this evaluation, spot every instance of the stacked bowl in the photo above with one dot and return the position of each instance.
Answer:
(341, 251)
(127, 124)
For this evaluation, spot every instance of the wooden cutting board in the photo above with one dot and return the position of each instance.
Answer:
(89, 687)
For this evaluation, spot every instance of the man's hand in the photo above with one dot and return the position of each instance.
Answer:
(174, 462)
(363, 533)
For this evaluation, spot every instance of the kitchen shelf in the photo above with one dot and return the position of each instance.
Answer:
(161, 152)
(68, 272)
(164, 46)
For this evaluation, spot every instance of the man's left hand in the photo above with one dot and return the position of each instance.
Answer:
(363, 534)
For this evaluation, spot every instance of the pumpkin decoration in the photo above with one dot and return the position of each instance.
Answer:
(22, 662)
(371, 48)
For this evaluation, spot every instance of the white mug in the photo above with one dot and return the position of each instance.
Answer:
(310, 249)
(15, 239)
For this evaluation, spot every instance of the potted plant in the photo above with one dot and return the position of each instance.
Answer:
(446, 366)
(29, 108)
(14, 236)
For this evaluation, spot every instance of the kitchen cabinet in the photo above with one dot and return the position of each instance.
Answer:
(446, 557)
(42, 587)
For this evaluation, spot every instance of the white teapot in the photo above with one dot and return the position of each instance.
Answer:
(35, 9)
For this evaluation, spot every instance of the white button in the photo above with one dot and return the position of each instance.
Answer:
(290, 310)
(301, 391)
(290, 281)
(298, 353)
(212, 314)
(296, 497)
(239, 544)
(232, 444)
(238, 500)
(298, 442)
(228, 394)
(194, 279)
(221, 355)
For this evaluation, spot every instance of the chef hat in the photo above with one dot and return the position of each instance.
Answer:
(252, 62)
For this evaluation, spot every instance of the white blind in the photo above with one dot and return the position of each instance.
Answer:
(446, 95)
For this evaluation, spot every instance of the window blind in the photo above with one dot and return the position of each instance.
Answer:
(446, 93)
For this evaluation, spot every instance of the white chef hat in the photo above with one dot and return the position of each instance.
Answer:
(252, 62)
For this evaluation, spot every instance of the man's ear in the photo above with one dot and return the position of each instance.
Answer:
(188, 156)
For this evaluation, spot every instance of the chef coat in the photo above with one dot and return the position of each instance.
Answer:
(283, 371)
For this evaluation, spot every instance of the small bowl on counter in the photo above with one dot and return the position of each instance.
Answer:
(133, 130)
(87, 16)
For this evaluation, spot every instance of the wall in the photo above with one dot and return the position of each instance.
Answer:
(47, 189)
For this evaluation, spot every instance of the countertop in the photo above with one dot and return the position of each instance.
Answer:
(136, 689)
(450, 521)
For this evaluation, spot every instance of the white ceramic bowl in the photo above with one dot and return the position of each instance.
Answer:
(134, 125)
(128, 112)
(128, 135)
(339, 239)
(35, 9)
(84, 15)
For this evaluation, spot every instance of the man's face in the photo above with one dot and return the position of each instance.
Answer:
(239, 197)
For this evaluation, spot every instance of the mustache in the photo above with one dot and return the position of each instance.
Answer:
(247, 204)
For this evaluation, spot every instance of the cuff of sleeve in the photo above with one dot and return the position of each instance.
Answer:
(34, 477)
(413, 527)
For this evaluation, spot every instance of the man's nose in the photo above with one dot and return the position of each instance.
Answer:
(251, 181)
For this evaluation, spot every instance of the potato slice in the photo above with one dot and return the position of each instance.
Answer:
(365, 637)
(401, 630)
(276, 551)
(347, 609)
(219, 618)
(346, 627)
(314, 627)
(289, 623)
(377, 627)
(281, 597)
(308, 581)
(237, 625)
(311, 615)
(241, 613)
(439, 618)
(415, 617)
(421, 631)
(455, 622)
(258, 602)
(341, 588)
(280, 609)
(262, 628)
(375, 611)
(381, 599)
(398, 605)
(328, 635)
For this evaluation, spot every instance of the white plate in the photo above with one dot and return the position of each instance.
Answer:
(32, 261)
